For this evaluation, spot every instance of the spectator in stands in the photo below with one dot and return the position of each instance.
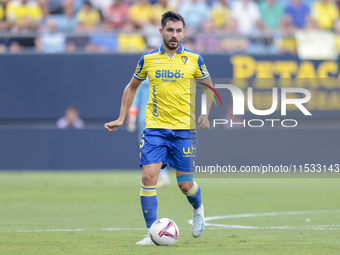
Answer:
(298, 14)
(80, 41)
(61, 6)
(194, 13)
(285, 40)
(142, 13)
(232, 41)
(337, 3)
(51, 41)
(7, 43)
(160, 7)
(271, 14)
(220, 13)
(311, 25)
(101, 5)
(189, 43)
(20, 11)
(44, 7)
(262, 41)
(130, 41)
(151, 34)
(88, 16)
(247, 15)
(71, 119)
(337, 34)
(103, 40)
(66, 21)
(325, 13)
(209, 40)
(2, 12)
(118, 13)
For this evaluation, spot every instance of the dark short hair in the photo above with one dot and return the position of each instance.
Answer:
(171, 16)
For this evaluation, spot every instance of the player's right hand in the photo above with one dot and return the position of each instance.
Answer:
(112, 126)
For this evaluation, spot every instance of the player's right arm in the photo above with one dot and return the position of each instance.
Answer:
(128, 96)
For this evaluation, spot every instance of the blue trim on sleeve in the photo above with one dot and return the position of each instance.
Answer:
(204, 77)
(185, 178)
(141, 64)
(141, 79)
(200, 61)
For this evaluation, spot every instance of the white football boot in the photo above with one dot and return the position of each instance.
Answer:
(197, 221)
(145, 241)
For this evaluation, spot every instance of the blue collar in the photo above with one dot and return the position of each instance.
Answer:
(180, 49)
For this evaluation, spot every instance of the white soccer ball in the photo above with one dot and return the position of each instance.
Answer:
(164, 232)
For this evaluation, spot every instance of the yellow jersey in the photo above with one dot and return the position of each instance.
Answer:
(16, 11)
(89, 19)
(172, 87)
(325, 14)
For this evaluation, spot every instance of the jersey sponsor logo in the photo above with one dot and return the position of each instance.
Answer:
(155, 103)
(190, 153)
(169, 74)
(184, 59)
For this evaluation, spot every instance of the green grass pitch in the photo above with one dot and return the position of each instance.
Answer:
(99, 213)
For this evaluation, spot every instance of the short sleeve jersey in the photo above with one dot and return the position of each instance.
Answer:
(172, 88)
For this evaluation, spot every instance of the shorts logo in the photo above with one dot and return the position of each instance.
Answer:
(141, 143)
(189, 153)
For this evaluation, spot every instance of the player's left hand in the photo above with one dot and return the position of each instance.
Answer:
(205, 124)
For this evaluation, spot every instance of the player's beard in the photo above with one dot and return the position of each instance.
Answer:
(169, 46)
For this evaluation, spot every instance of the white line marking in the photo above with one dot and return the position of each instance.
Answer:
(311, 227)
(222, 226)
(214, 226)
(74, 230)
(77, 230)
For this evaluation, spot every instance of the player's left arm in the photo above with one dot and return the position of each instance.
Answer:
(128, 96)
(203, 118)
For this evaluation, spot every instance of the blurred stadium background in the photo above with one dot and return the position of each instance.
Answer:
(56, 54)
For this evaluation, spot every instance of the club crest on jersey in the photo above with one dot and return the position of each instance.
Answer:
(184, 59)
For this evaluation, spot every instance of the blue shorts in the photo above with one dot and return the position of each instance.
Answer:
(178, 147)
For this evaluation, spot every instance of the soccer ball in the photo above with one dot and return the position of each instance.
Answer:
(164, 232)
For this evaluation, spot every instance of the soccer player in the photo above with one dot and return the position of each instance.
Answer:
(170, 134)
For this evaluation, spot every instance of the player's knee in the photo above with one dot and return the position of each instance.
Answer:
(185, 186)
(149, 179)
